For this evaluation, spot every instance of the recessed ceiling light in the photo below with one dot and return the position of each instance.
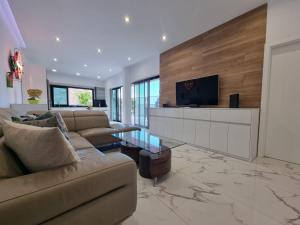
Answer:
(98, 77)
(164, 37)
(85, 65)
(57, 39)
(77, 74)
(129, 59)
(110, 70)
(127, 19)
(54, 70)
(55, 59)
(99, 50)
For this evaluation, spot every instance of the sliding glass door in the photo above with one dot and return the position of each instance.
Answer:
(116, 104)
(145, 95)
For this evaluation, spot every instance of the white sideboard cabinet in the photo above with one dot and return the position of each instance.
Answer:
(233, 132)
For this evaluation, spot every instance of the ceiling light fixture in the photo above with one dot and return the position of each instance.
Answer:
(164, 37)
(54, 70)
(129, 59)
(98, 77)
(57, 39)
(110, 70)
(127, 19)
(55, 59)
(77, 74)
(85, 65)
(99, 51)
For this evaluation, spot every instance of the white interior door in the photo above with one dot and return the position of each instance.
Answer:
(283, 117)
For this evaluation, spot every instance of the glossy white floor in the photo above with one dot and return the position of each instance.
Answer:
(210, 189)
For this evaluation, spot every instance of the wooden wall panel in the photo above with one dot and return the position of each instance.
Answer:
(234, 50)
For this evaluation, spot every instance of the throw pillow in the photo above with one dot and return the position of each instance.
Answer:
(5, 114)
(23, 118)
(10, 165)
(48, 119)
(62, 125)
(39, 148)
(45, 115)
(49, 122)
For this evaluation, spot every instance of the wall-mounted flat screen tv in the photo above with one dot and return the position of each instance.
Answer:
(203, 91)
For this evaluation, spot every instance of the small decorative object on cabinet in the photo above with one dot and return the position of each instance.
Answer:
(34, 96)
(234, 101)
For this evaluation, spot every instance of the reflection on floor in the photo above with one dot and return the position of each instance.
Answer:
(210, 189)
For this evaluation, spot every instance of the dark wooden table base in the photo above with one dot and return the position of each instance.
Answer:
(151, 165)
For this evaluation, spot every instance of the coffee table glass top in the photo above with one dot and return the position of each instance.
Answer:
(147, 141)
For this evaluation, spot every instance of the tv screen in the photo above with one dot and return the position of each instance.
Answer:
(197, 92)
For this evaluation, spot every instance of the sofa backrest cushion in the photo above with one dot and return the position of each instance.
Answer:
(68, 117)
(10, 165)
(81, 119)
(90, 119)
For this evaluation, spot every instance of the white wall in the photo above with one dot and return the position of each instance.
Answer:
(282, 30)
(34, 78)
(7, 43)
(139, 71)
(59, 78)
(283, 21)
(117, 80)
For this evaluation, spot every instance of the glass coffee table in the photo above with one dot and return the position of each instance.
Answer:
(151, 153)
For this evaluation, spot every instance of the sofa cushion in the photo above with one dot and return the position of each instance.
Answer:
(73, 134)
(90, 119)
(39, 148)
(10, 165)
(45, 122)
(121, 127)
(68, 117)
(99, 136)
(79, 142)
(97, 132)
(39, 197)
(62, 125)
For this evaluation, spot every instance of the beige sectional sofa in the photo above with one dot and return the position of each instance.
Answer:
(101, 189)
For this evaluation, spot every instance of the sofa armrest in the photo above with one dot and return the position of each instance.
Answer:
(35, 198)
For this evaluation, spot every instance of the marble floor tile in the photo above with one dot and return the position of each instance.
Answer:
(151, 211)
(211, 189)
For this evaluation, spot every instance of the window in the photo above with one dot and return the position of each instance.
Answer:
(80, 97)
(144, 95)
(64, 96)
(154, 93)
(116, 104)
(60, 96)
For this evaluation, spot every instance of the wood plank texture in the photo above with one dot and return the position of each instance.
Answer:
(234, 50)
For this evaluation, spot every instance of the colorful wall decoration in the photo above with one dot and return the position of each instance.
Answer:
(16, 67)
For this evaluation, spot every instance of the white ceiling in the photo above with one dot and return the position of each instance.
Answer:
(85, 25)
